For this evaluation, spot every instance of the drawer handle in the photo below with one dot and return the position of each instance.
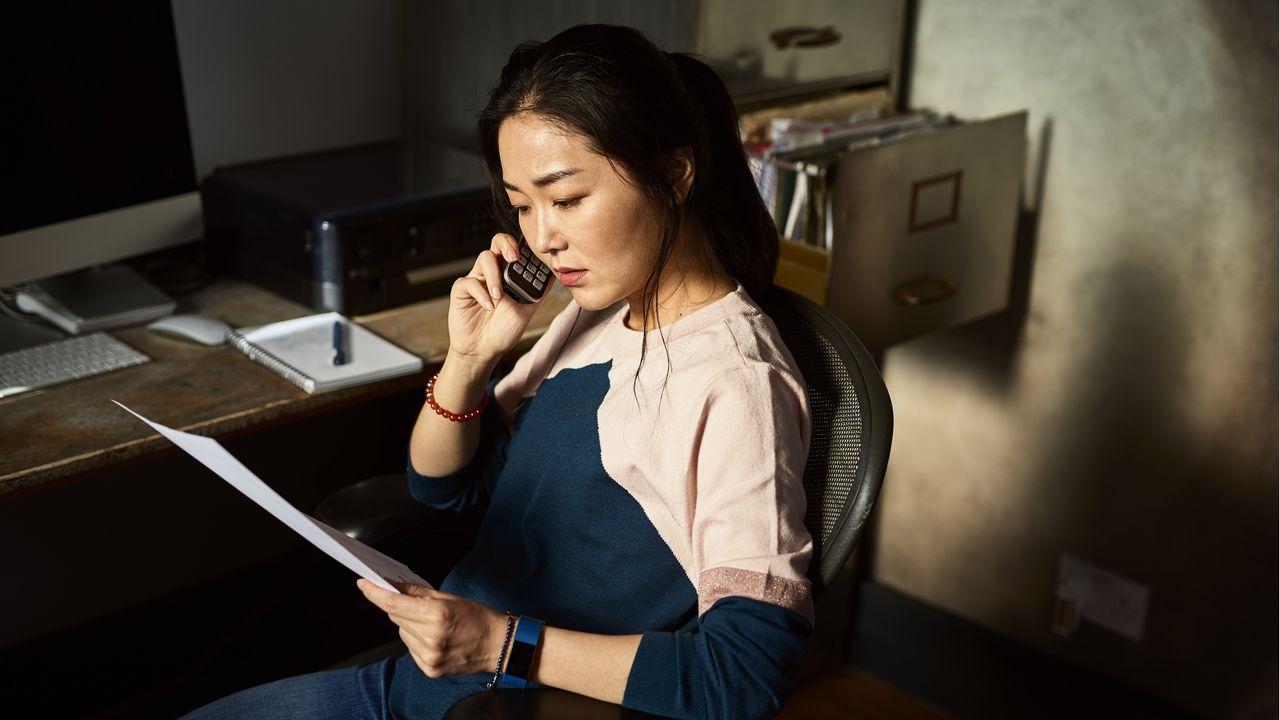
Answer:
(925, 291)
(804, 37)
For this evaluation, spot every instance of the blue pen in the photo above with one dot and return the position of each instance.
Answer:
(339, 357)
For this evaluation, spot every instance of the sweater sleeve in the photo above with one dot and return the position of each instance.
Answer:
(734, 661)
(751, 551)
(472, 485)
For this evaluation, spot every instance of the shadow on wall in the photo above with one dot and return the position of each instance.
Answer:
(1124, 408)
(1198, 544)
(1127, 479)
(1256, 26)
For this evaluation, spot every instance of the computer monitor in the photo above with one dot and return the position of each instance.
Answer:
(97, 160)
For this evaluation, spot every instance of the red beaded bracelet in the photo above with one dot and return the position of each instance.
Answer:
(455, 417)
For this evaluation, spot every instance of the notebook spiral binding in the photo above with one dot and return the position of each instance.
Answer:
(271, 361)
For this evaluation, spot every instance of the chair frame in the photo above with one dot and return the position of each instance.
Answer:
(876, 414)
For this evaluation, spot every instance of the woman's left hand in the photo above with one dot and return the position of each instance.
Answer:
(446, 634)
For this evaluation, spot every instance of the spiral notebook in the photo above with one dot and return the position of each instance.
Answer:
(302, 352)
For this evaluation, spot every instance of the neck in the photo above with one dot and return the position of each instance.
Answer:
(693, 278)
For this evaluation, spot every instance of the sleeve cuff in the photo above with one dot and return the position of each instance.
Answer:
(736, 660)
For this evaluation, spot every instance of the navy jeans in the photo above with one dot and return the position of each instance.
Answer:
(346, 694)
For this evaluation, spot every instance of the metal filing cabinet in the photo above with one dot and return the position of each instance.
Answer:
(923, 229)
(910, 233)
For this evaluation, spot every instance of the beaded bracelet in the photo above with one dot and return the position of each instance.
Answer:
(502, 654)
(451, 416)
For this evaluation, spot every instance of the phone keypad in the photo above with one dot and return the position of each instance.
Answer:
(528, 275)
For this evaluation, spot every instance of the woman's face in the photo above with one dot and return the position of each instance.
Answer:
(599, 233)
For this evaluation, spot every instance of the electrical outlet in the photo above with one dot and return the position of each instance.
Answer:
(1103, 598)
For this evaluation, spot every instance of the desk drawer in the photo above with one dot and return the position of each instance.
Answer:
(923, 229)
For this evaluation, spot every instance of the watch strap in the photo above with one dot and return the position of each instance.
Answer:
(524, 647)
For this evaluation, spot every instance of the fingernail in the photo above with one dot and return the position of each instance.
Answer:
(495, 292)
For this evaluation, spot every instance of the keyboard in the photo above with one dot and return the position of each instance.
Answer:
(56, 362)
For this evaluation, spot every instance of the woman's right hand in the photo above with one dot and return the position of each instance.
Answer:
(483, 322)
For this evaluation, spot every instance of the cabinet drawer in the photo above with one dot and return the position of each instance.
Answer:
(923, 229)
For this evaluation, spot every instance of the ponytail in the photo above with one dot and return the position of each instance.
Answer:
(638, 106)
(725, 199)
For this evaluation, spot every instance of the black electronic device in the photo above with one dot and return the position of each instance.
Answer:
(354, 230)
(526, 280)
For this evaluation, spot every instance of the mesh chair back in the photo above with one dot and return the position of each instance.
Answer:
(852, 424)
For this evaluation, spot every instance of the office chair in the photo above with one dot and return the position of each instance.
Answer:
(852, 425)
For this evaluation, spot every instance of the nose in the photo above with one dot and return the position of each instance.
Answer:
(542, 237)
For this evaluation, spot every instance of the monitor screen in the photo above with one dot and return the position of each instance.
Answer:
(95, 123)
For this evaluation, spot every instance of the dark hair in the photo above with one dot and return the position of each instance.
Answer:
(636, 105)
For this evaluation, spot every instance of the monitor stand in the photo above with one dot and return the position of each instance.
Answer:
(95, 299)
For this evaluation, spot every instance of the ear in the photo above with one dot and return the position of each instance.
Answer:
(680, 171)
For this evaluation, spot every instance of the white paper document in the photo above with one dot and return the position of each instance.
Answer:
(360, 558)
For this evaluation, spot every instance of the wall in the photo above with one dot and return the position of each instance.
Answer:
(266, 79)
(455, 50)
(1125, 409)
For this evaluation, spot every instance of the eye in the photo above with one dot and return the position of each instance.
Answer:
(567, 203)
(520, 209)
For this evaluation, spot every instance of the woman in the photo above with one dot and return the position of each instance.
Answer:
(643, 541)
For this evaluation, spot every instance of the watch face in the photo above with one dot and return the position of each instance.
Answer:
(524, 647)
(527, 279)
(520, 661)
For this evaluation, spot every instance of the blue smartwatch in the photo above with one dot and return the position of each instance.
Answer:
(524, 647)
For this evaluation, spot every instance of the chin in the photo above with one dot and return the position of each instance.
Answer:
(588, 299)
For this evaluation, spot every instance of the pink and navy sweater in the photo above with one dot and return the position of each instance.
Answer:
(667, 503)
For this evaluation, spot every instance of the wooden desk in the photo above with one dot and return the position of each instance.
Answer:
(74, 428)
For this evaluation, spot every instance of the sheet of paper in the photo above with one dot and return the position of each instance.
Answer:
(360, 558)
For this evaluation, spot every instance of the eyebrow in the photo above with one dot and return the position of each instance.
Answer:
(545, 180)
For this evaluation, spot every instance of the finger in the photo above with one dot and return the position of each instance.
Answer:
(418, 611)
(395, 605)
(426, 652)
(414, 639)
(487, 268)
(418, 606)
(376, 595)
(415, 590)
(507, 246)
(472, 288)
(419, 658)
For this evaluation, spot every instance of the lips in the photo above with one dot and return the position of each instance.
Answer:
(569, 276)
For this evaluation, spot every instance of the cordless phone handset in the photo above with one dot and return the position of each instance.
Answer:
(527, 279)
